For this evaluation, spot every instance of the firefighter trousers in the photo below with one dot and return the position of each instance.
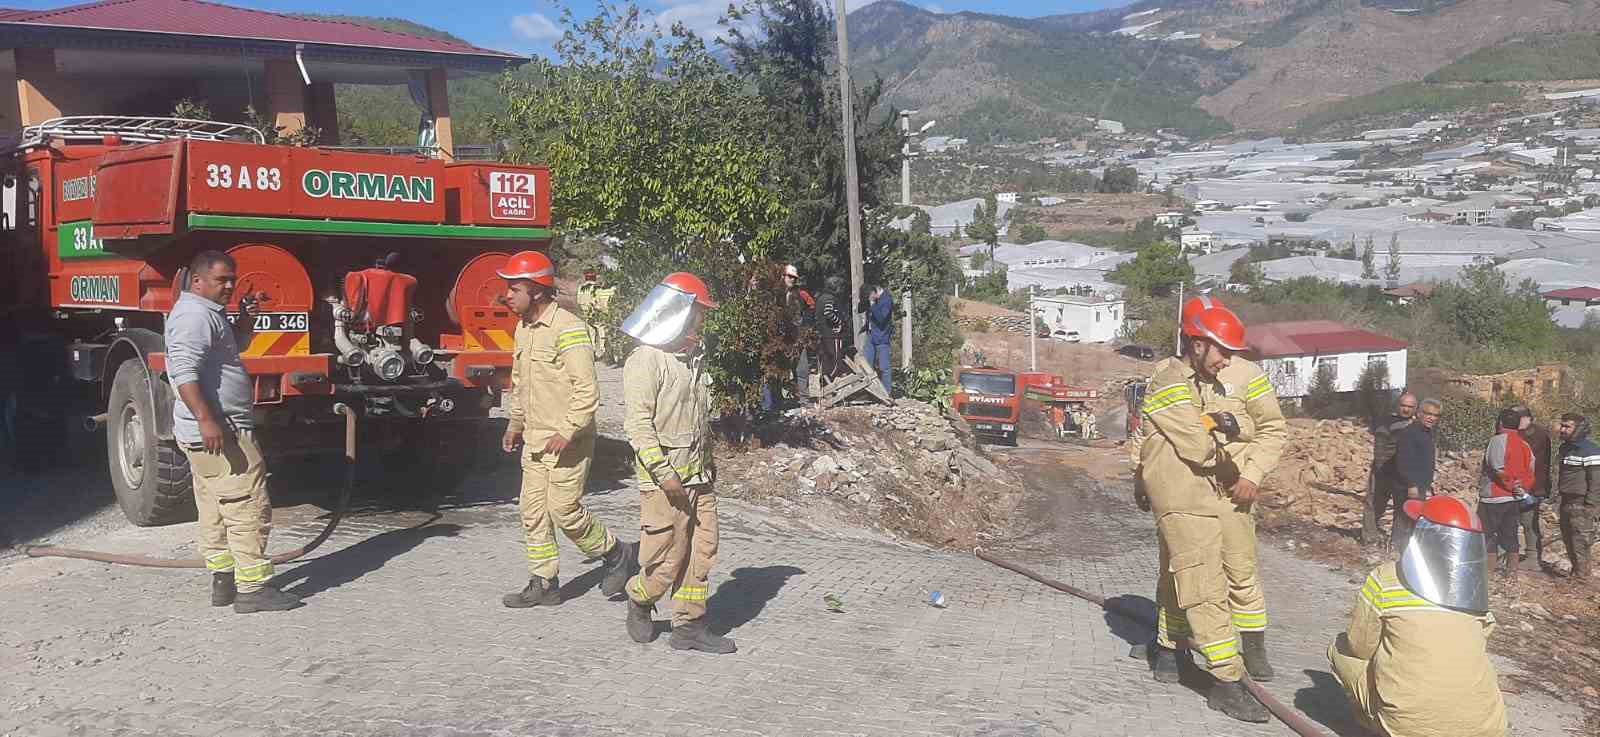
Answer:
(1192, 593)
(552, 492)
(1355, 675)
(235, 513)
(677, 550)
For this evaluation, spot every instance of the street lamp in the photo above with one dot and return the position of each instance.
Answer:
(905, 152)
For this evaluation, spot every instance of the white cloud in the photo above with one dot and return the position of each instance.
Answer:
(535, 27)
(701, 16)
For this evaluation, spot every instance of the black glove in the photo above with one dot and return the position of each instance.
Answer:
(1223, 422)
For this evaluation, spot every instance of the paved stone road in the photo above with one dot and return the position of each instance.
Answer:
(404, 635)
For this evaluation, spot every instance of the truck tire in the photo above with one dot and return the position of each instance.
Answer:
(150, 476)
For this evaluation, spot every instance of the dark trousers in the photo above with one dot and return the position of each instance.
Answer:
(1577, 527)
(829, 358)
(1532, 534)
(1500, 522)
(1383, 492)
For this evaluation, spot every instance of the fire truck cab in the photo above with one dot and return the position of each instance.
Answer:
(987, 398)
(373, 276)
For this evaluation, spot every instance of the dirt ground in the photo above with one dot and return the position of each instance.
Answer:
(1111, 213)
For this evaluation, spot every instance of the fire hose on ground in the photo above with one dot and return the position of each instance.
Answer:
(50, 551)
(1292, 719)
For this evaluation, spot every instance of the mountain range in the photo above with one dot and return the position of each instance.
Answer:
(1203, 67)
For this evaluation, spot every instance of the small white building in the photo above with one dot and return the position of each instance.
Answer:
(1090, 319)
(1114, 127)
(1571, 308)
(1008, 197)
(1293, 353)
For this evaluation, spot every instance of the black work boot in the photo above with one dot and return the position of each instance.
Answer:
(1231, 698)
(641, 627)
(1164, 665)
(539, 592)
(222, 589)
(617, 568)
(265, 599)
(1255, 655)
(694, 636)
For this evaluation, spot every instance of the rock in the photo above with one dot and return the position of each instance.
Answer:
(847, 464)
(861, 497)
(1525, 627)
(1590, 692)
(824, 482)
(798, 464)
(1532, 609)
(823, 465)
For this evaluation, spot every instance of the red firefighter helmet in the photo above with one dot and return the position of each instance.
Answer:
(688, 283)
(1218, 325)
(1444, 510)
(530, 265)
(1196, 304)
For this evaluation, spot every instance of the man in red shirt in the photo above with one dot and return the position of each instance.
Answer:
(1506, 476)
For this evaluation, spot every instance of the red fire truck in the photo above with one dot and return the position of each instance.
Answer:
(373, 276)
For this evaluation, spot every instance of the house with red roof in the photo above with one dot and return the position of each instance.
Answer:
(138, 57)
(1293, 353)
(1571, 308)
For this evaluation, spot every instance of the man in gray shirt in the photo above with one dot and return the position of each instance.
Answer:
(213, 425)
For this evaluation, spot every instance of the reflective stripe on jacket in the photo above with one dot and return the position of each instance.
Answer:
(553, 385)
(1429, 665)
(668, 419)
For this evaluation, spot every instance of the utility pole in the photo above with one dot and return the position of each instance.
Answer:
(1178, 348)
(905, 335)
(905, 157)
(852, 190)
(1033, 331)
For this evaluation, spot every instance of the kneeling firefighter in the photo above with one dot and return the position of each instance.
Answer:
(668, 423)
(1212, 432)
(1415, 661)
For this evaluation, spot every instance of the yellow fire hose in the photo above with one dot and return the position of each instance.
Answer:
(51, 551)
(1291, 718)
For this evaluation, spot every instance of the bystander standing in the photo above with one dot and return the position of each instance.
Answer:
(1416, 456)
(879, 307)
(830, 320)
(1580, 490)
(797, 309)
(1538, 438)
(1383, 483)
(1506, 473)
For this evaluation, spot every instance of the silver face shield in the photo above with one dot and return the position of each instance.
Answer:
(1446, 566)
(660, 320)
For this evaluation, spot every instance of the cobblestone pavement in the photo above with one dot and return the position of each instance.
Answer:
(404, 634)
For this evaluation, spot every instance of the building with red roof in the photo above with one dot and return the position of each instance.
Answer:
(1293, 353)
(138, 57)
(1571, 308)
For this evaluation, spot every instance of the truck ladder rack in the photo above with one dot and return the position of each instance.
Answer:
(93, 128)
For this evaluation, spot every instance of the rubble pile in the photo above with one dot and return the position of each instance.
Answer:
(1323, 477)
(910, 469)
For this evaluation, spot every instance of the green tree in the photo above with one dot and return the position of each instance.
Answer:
(983, 227)
(1322, 400)
(657, 145)
(1391, 270)
(1372, 392)
(1032, 233)
(1522, 219)
(1119, 180)
(1483, 309)
(1155, 271)
(783, 53)
(1247, 272)
(1369, 260)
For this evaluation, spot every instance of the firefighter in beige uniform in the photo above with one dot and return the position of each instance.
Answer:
(1248, 397)
(1209, 436)
(552, 403)
(1414, 661)
(669, 424)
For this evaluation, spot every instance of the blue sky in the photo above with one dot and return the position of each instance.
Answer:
(528, 26)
